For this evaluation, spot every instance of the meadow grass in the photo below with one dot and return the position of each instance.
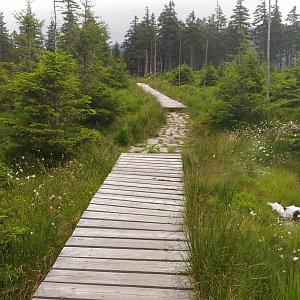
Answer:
(40, 210)
(239, 248)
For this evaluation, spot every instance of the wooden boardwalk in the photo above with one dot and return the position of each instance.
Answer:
(130, 242)
(164, 100)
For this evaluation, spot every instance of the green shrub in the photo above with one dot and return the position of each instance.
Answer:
(182, 75)
(240, 96)
(5, 175)
(210, 76)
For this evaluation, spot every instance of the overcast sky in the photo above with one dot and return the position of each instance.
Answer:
(118, 14)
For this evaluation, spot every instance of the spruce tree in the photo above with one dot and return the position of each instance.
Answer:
(238, 27)
(277, 36)
(292, 36)
(29, 40)
(131, 51)
(169, 32)
(70, 27)
(50, 109)
(192, 40)
(5, 41)
(50, 42)
(260, 29)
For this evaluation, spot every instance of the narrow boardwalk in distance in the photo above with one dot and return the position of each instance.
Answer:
(130, 242)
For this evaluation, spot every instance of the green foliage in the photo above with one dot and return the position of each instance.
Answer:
(182, 75)
(210, 76)
(234, 235)
(5, 176)
(49, 203)
(239, 97)
(9, 236)
(49, 109)
(29, 40)
(285, 92)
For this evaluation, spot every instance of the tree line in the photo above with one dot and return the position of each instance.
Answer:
(55, 89)
(160, 44)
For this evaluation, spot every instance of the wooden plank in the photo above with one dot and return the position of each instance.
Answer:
(134, 254)
(137, 193)
(122, 172)
(94, 292)
(158, 166)
(167, 156)
(152, 178)
(137, 184)
(130, 234)
(91, 223)
(144, 189)
(133, 204)
(118, 279)
(150, 161)
(134, 211)
(152, 200)
(89, 242)
(117, 265)
(130, 217)
(163, 172)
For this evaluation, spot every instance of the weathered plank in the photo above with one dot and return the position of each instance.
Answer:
(152, 178)
(118, 279)
(139, 184)
(130, 217)
(160, 167)
(164, 170)
(138, 193)
(93, 292)
(91, 223)
(129, 234)
(134, 254)
(138, 199)
(153, 191)
(135, 204)
(120, 265)
(167, 156)
(89, 242)
(134, 211)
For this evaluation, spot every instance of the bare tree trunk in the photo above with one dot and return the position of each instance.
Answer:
(205, 66)
(268, 62)
(155, 54)
(151, 58)
(146, 63)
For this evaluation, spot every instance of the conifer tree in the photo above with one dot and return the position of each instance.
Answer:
(192, 40)
(50, 109)
(5, 41)
(70, 27)
(277, 36)
(292, 36)
(260, 29)
(131, 51)
(169, 32)
(238, 27)
(29, 40)
(50, 42)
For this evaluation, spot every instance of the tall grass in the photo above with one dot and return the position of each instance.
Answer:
(239, 248)
(40, 210)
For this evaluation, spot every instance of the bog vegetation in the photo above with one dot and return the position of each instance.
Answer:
(67, 109)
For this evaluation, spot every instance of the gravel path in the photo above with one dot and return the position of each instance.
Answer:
(169, 139)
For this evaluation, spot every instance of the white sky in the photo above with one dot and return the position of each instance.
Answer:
(118, 14)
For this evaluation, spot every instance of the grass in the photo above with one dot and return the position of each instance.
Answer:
(239, 248)
(40, 210)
